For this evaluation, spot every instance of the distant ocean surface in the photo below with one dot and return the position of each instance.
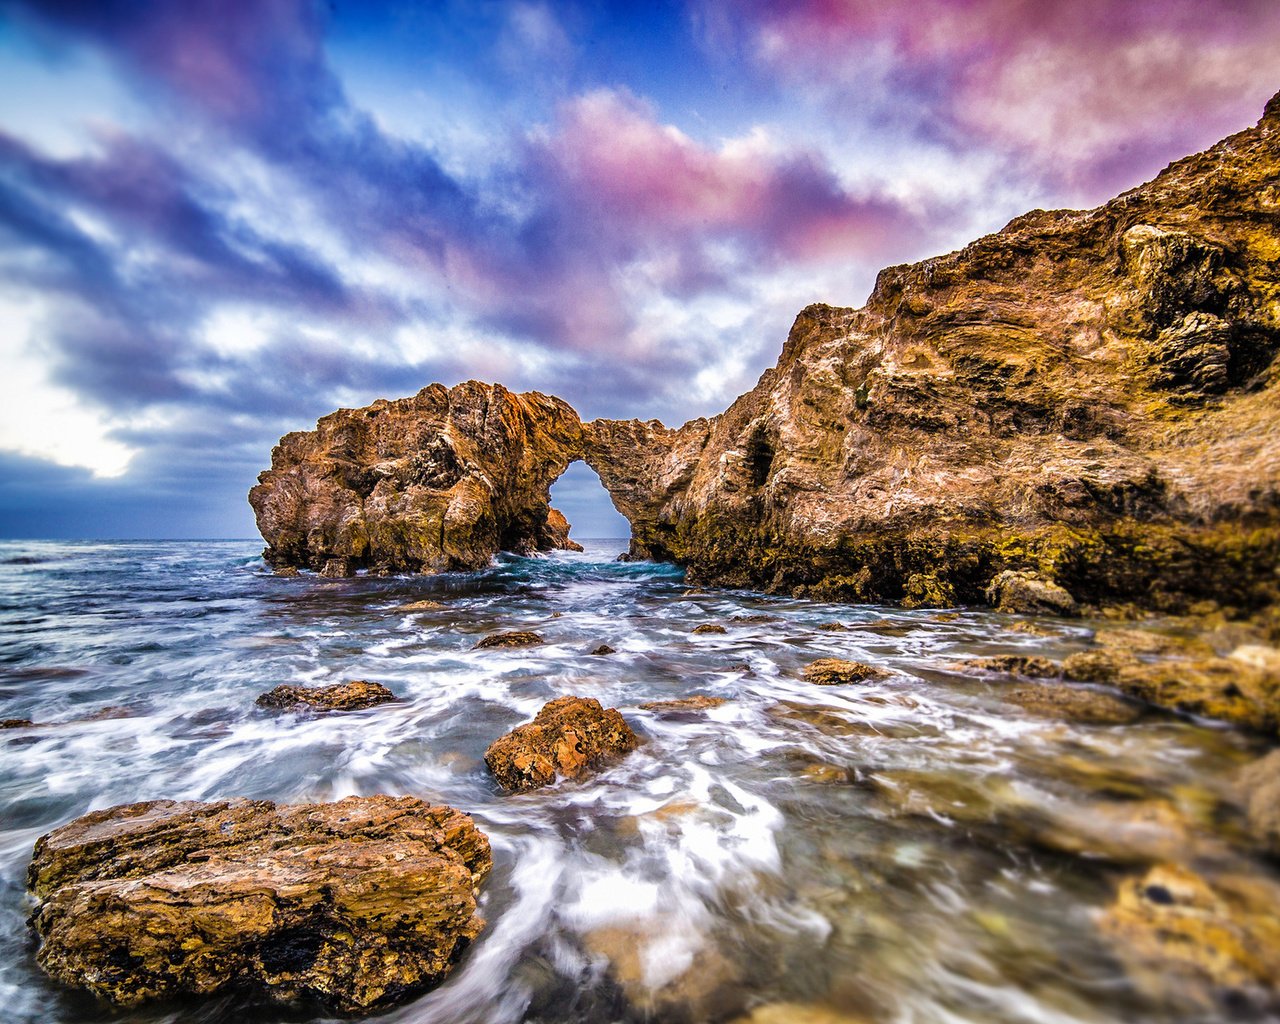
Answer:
(896, 851)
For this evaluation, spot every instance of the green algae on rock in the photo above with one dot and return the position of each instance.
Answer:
(355, 904)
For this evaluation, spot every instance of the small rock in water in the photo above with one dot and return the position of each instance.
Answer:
(518, 638)
(710, 627)
(1029, 665)
(570, 736)
(425, 605)
(285, 570)
(838, 672)
(695, 703)
(352, 696)
(356, 904)
(834, 627)
(604, 649)
(1075, 703)
(17, 723)
(1026, 592)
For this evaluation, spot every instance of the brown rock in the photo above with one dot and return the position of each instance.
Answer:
(1075, 703)
(1260, 792)
(710, 627)
(838, 672)
(357, 904)
(1196, 944)
(352, 696)
(285, 570)
(604, 649)
(518, 638)
(677, 704)
(570, 737)
(17, 723)
(1027, 593)
(1028, 665)
(425, 605)
(707, 987)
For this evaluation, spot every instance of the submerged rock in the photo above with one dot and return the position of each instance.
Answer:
(17, 723)
(838, 672)
(353, 696)
(570, 737)
(425, 605)
(1190, 943)
(603, 649)
(1074, 703)
(695, 703)
(710, 627)
(356, 904)
(662, 977)
(518, 638)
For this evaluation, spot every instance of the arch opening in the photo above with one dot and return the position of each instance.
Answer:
(580, 496)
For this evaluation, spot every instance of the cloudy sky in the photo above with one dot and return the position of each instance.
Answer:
(221, 219)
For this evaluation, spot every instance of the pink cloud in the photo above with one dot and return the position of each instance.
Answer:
(651, 182)
(1090, 92)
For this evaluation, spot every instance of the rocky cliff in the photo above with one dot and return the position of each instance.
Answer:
(438, 481)
(1088, 399)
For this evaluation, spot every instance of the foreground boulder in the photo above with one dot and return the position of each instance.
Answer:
(355, 904)
(570, 737)
(354, 696)
(1212, 947)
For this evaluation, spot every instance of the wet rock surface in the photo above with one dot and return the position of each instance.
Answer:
(1189, 942)
(570, 737)
(516, 638)
(352, 696)
(1074, 703)
(839, 672)
(355, 904)
(679, 704)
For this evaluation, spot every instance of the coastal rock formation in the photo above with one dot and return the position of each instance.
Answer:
(353, 696)
(1079, 409)
(518, 638)
(438, 481)
(356, 904)
(569, 737)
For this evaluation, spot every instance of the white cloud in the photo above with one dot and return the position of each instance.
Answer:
(39, 418)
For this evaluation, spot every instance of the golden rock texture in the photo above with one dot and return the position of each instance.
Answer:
(570, 737)
(353, 696)
(356, 903)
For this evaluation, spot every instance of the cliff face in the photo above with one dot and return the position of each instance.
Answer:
(1090, 397)
(438, 481)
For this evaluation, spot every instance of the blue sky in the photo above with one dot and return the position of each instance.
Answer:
(221, 220)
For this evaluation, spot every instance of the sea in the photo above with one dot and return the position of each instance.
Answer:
(912, 849)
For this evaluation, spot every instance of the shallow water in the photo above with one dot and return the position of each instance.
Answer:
(913, 849)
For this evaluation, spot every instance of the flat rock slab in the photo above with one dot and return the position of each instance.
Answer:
(570, 737)
(353, 696)
(519, 638)
(838, 672)
(356, 904)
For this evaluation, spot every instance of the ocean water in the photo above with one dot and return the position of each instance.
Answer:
(915, 849)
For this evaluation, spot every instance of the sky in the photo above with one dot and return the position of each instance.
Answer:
(222, 219)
